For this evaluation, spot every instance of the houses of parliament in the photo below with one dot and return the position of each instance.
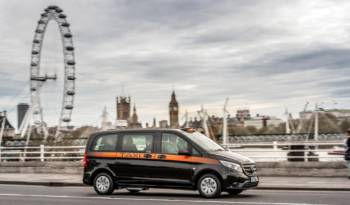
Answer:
(123, 107)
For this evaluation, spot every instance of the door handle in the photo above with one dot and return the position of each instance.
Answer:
(161, 156)
(147, 156)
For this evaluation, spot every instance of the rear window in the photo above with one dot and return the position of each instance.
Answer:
(106, 142)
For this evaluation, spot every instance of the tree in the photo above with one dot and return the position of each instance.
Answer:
(344, 125)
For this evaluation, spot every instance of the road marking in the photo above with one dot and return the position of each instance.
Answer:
(154, 199)
(43, 186)
(314, 193)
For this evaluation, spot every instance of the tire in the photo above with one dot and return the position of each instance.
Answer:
(103, 184)
(209, 186)
(235, 191)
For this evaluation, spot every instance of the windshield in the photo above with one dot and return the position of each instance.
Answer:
(204, 142)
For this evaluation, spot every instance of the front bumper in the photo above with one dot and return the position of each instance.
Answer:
(245, 184)
(239, 180)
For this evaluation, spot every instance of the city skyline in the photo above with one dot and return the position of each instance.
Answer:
(207, 51)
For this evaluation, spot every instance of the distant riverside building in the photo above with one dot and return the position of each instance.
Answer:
(9, 130)
(154, 125)
(262, 121)
(163, 124)
(123, 108)
(173, 111)
(22, 109)
(340, 114)
(243, 114)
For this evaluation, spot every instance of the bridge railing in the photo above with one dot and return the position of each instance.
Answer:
(42, 153)
(275, 151)
(290, 151)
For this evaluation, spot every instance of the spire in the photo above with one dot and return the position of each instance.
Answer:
(173, 98)
(173, 95)
(134, 108)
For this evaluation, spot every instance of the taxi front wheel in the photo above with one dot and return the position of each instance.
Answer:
(103, 184)
(209, 186)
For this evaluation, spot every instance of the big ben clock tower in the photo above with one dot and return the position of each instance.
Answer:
(174, 111)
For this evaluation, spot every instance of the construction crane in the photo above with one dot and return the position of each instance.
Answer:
(224, 122)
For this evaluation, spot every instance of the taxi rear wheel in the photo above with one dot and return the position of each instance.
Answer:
(103, 184)
(209, 186)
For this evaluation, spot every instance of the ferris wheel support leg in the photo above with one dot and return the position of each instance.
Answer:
(2, 133)
(27, 143)
(46, 133)
(58, 133)
(25, 124)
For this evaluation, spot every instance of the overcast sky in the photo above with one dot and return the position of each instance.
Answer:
(264, 55)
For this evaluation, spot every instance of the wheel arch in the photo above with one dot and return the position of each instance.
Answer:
(203, 172)
(101, 170)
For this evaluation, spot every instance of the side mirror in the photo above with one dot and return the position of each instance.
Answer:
(184, 152)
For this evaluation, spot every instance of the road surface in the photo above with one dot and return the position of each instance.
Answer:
(41, 195)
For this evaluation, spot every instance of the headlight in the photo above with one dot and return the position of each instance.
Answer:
(232, 165)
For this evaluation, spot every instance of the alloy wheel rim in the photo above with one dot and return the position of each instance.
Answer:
(102, 183)
(208, 186)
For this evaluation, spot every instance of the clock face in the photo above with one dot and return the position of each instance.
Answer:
(174, 108)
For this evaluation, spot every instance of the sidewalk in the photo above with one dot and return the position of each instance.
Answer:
(286, 183)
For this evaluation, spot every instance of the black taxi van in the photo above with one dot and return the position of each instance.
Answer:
(164, 158)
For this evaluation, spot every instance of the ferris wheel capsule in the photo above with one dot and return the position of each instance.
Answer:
(67, 35)
(62, 16)
(53, 7)
(70, 48)
(71, 62)
(70, 77)
(70, 92)
(65, 24)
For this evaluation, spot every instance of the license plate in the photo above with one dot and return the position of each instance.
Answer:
(254, 179)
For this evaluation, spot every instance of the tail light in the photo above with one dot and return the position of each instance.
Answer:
(85, 160)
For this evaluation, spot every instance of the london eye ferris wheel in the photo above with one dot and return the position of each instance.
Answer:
(38, 79)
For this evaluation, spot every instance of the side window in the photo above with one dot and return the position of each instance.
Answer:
(106, 142)
(173, 144)
(137, 143)
(195, 152)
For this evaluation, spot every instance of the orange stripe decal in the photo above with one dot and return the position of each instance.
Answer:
(168, 157)
(192, 159)
(102, 154)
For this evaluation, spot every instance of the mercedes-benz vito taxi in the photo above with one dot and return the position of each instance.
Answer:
(164, 158)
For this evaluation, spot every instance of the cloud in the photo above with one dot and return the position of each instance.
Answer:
(264, 55)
